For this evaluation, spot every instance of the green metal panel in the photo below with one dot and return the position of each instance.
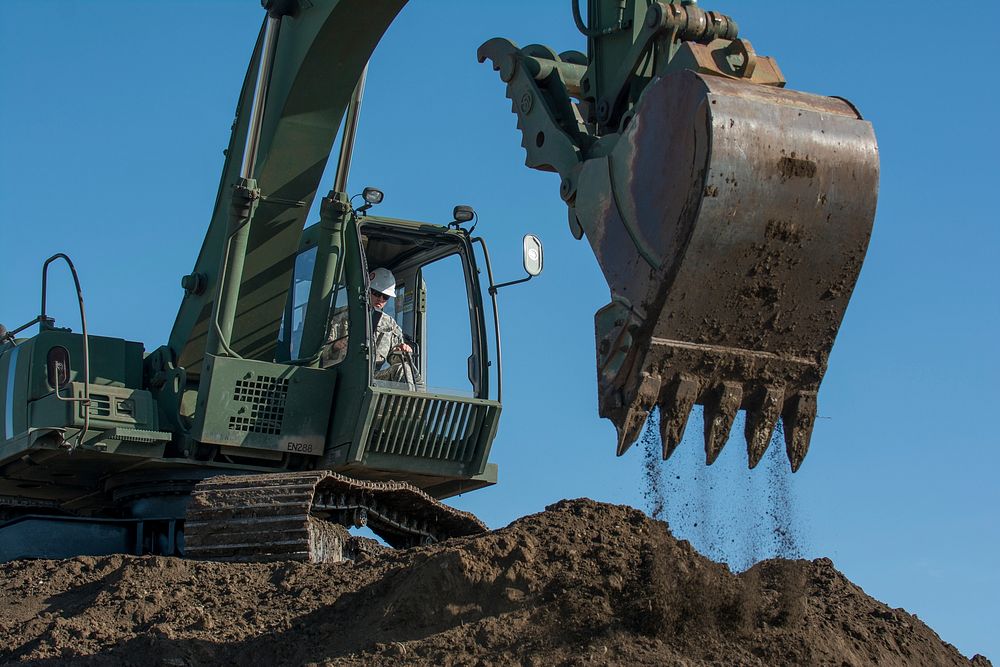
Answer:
(261, 405)
(113, 361)
(110, 407)
(29, 400)
(122, 419)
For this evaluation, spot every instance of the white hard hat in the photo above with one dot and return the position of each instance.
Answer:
(382, 281)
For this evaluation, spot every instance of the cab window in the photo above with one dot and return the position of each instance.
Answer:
(432, 309)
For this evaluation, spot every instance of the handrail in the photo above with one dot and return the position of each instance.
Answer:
(85, 401)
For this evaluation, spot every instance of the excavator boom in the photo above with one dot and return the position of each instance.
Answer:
(317, 64)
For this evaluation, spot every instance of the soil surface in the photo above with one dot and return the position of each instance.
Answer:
(582, 583)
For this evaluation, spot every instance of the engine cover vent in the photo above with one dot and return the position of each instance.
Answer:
(266, 397)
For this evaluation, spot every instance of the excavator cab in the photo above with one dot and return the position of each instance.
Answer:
(446, 344)
(447, 341)
(423, 410)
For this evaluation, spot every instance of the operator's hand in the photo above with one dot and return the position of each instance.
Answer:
(403, 347)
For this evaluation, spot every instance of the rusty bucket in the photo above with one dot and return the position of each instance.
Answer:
(731, 221)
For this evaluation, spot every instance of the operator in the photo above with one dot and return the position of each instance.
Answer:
(392, 354)
(386, 333)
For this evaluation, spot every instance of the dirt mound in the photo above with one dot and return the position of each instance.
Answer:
(581, 583)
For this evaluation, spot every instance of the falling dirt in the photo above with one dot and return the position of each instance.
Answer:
(707, 521)
(654, 491)
(781, 508)
(737, 532)
(582, 583)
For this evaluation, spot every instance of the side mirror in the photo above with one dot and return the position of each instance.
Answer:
(533, 257)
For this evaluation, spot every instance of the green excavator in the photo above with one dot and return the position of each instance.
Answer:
(729, 215)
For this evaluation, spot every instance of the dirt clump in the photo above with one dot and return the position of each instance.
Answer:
(582, 583)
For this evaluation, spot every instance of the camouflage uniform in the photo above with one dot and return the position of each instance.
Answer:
(336, 340)
(387, 336)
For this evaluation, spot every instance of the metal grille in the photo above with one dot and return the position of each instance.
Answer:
(267, 397)
(100, 405)
(426, 427)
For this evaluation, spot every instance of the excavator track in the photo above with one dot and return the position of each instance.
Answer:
(304, 516)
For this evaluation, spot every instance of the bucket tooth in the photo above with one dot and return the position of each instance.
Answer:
(761, 420)
(798, 418)
(636, 414)
(675, 407)
(630, 429)
(720, 411)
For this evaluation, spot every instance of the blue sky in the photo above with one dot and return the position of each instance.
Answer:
(114, 116)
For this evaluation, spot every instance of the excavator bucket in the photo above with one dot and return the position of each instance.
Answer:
(730, 216)
(730, 221)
